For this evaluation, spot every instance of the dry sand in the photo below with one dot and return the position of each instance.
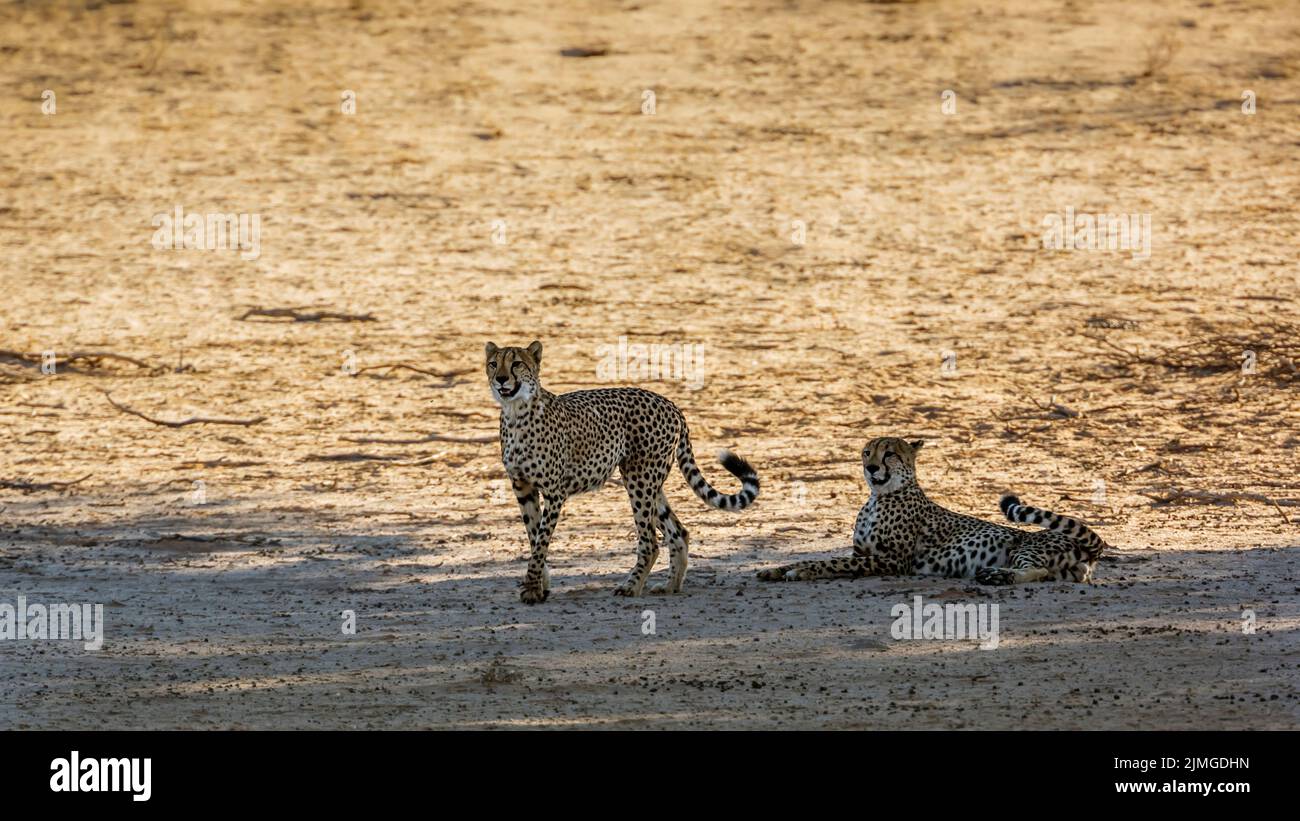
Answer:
(677, 227)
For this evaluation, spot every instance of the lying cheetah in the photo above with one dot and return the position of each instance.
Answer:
(901, 532)
(559, 446)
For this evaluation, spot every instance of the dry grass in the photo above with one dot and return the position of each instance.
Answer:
(1268, 348)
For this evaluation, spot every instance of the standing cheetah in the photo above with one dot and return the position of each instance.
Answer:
(901, 532)
(554, 447)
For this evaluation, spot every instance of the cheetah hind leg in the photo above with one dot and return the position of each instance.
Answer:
(1007, 575)
(647, 549)
(1025, 567)
(678, 542)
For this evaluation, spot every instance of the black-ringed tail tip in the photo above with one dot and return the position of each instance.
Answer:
(740, 468)
(736, 465)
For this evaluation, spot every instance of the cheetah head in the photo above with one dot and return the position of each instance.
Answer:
(889, 464)
(513, 373)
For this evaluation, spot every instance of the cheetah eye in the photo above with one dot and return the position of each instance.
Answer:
(492, 364)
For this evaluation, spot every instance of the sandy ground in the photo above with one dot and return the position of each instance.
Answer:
(489, 187)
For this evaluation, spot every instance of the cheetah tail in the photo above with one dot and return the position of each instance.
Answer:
(735, 465)
(1073, 528)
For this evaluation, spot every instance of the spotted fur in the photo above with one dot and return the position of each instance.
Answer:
(554, 447)
(901, 532)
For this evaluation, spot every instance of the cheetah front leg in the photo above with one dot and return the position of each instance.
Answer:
(540, 525)
(874, 554)
(818, 569)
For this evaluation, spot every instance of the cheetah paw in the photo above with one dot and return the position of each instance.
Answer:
(665, 589)
(533, 595)
(995, 575)
(625, 589)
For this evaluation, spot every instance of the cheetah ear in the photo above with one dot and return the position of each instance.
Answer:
(917, 444)
(492, 349)
(535, 351)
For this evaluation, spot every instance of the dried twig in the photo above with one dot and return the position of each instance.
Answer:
(349, 457)
(1055, 407)
(241, 538)
(463, 440)
(579, 51)
(374, 457)
(448, 377)
(1164, 496)
(29, 487)
(1159, 55)
(432, 437)
(180, 423)
(428, 460)
(1274, 343)
(219, 463)
(1150, 467)
(375, 440)
(1058, 410)
(93, 357)
(304, 314)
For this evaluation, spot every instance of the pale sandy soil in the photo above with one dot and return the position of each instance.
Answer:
(675, 227)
